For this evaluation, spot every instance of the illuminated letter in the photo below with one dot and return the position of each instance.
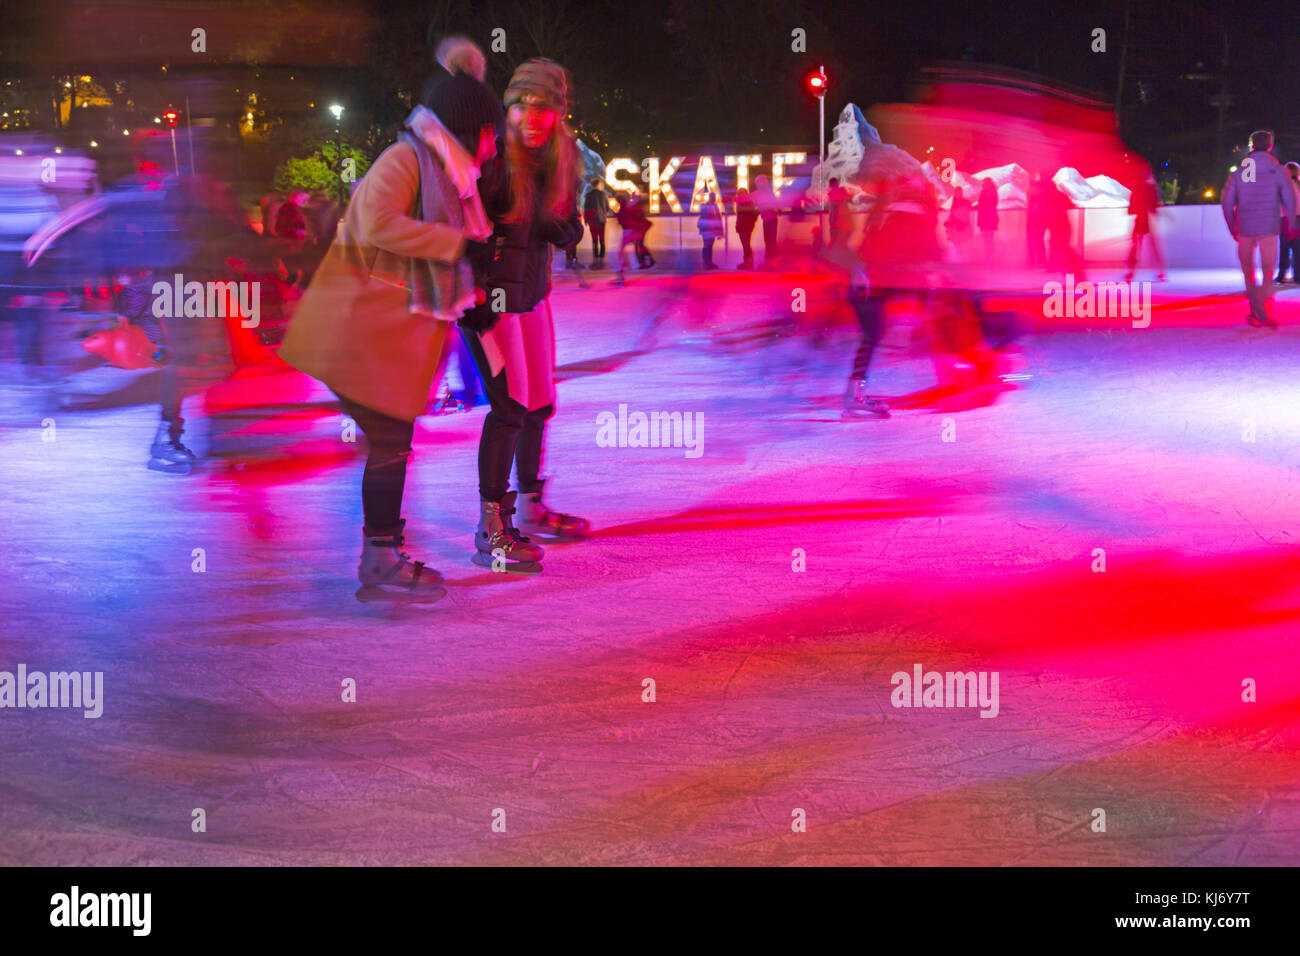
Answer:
(706, 181)
(779, 162)
(616, 166)
(660, 182)
(742, 164)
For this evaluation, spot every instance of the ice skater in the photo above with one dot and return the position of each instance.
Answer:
(635, 224)
(711, 229)
(986, 218)
(746, 220)
(870, 311)
(515, 348)
(1143, 204)
(595, 210)
(1289, 240)
(372, 323)
(1257, 199)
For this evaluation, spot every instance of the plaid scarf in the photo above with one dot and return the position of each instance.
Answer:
(448, 194)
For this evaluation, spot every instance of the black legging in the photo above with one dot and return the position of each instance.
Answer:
(511, 433)
(1288, 257)
(746, 237)
(870, 310)
(384, 479)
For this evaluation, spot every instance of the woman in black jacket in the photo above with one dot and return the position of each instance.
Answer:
(511, 335)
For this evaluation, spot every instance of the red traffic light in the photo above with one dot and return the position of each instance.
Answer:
(818, 81)
(170, 118)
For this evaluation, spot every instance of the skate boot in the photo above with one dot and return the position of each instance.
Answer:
(858, 405)
(168, 455)
(387, 573)
(539, 519)
(498, 543)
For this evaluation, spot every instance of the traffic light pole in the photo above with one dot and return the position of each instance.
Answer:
(821, 160)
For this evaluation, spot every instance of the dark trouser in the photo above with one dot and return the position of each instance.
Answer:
(769, 239)
(177, 342)
(1288, 256)
(597, 239)
(870, 310)
(384, 479)
(16, 282)
(1035, 251)
(706, 250)
(745, 247)
(571, 252)
(511, 434)
(643, 256)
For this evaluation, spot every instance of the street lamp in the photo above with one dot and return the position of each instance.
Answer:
(337, 110)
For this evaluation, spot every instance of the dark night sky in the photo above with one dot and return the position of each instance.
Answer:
(723, 70)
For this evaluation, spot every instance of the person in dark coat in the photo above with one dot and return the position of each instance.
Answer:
(595, 211)
(837, 200)
(1289, 247)
(746, 219)
(1036, 222)
(986, 217)
(1143, 203)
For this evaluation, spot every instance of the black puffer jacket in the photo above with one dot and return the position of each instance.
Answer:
(517, 259)
(521, 258)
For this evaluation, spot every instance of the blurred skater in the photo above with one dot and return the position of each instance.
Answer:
(986, 218)
(1143, 204)
(746, 220)
(1289, 236)
(595, 211)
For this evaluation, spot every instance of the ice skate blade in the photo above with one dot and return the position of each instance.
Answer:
(500, 566)
(170, 467)
(863, 415)
(378, 595)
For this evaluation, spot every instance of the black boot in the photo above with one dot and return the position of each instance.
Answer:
(168, 455)
(499, 545)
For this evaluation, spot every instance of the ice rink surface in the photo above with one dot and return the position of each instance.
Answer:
(1172, 449)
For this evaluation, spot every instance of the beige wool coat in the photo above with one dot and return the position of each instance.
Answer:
(353, 328)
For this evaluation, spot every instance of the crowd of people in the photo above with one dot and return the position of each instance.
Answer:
(444, 254)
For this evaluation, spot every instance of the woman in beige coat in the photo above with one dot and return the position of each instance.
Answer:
(373, 322)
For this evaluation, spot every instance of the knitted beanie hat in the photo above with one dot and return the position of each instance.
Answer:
(465, 106)
(540, 81)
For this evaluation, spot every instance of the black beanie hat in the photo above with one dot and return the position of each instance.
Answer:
(465, 106)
